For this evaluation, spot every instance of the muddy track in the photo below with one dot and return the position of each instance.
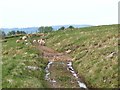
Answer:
(59, 71)
(53, 55)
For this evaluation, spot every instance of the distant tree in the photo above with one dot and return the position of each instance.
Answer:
(48, 29)
(18, 32)
(41, 29)
(45, 29)
(11, 33)
(22, 32)
(70, 27)
(62, 28)
(2, 34)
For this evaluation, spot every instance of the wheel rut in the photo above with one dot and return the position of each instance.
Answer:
(59, 71)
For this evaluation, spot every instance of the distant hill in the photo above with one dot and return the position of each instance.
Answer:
(35, 29)
(76, 26)
(27, 30)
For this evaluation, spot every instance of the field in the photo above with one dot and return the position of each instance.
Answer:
(16, 62)
(94, 52)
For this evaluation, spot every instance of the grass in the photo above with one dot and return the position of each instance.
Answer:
(63, 77)
(16, 57)
(0, 64)
(91, 48)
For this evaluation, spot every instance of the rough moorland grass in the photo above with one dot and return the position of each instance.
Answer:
(16, 58)
(0, 63)
(92, 49)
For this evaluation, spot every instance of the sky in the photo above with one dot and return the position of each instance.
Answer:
(32, 13)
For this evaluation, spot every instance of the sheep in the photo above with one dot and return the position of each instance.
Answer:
(41, 42)
(40, 34)
(68, 51)
(17, 41)
(34, 41)
(24, 37)
(26, 43)
(38, 41)
(111, 55)
(26, 40)
(28, 35)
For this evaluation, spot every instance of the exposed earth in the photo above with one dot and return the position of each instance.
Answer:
(59, 72)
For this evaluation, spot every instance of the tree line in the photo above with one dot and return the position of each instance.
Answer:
(63, 28)
(47, 29)
(42, 29)
(10, 33)
(16, 32)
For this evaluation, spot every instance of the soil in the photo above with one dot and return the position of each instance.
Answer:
(60, 76)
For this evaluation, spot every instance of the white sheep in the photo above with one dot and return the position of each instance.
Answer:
(68, 51)
(34, 41)
(38, 41)
(111, 55)
(26, 43)
(17, 41)
(41, 42)
(24, 37)
(26, 40)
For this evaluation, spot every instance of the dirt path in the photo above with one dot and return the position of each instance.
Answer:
(60, 76)
(53, 55)
(59, 71)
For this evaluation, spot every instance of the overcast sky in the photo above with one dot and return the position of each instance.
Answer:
(30, 13)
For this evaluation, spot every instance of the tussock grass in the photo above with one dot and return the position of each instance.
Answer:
(16, 57)
(91, 49)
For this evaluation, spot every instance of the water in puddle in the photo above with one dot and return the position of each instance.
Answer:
(60, 74)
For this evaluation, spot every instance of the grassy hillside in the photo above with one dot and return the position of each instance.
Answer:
(17, 58)
(94, 51)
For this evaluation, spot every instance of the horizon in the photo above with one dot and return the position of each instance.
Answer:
(36, 13)
(55, 25)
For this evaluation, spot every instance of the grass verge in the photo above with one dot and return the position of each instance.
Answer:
(17, 58)
(94, 51)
